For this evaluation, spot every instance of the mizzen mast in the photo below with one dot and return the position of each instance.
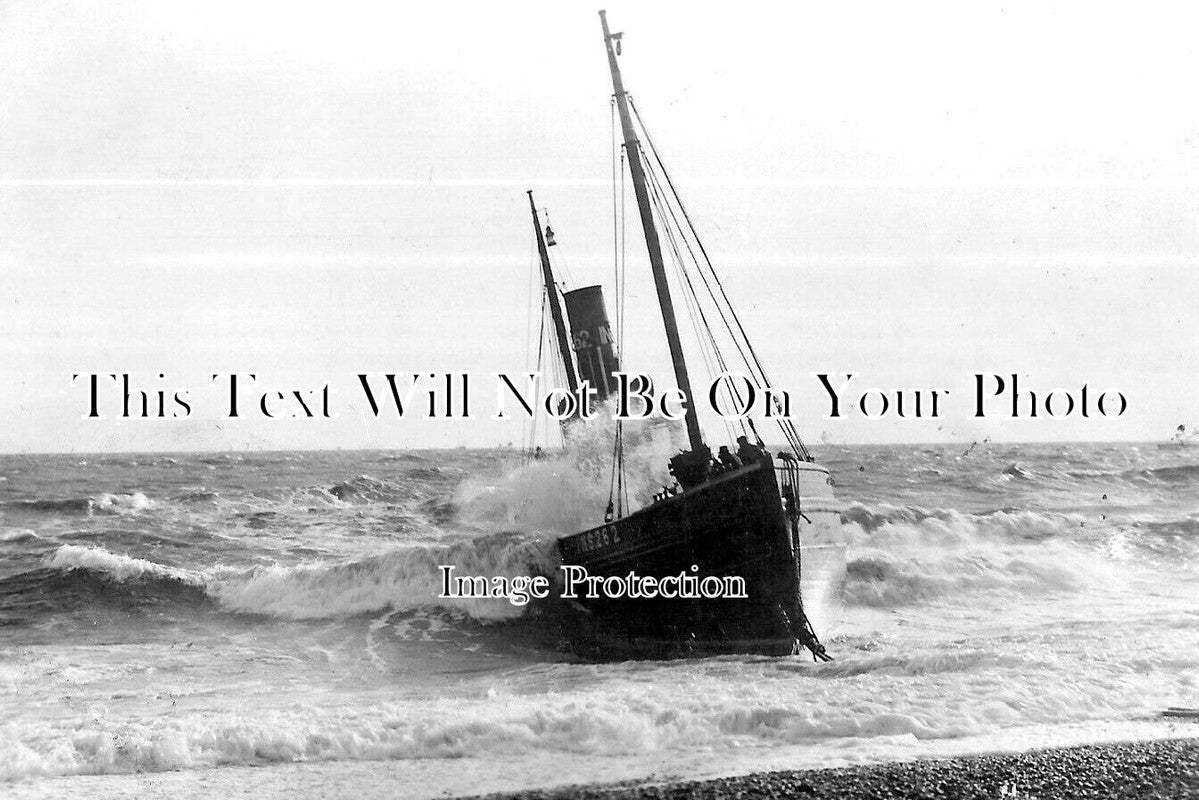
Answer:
(637, 170)
(551, 289)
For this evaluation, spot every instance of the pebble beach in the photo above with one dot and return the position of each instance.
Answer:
(1166, 768)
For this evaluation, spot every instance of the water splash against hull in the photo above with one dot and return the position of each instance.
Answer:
(248, 614)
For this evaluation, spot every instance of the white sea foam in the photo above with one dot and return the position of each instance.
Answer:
(568, 491)
(17, 534)
(121, 567)
(904, 555)
(402, 578)
(961, 625)
(122, 503)
(930, 693)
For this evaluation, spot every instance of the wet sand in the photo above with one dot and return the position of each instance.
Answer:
(1167, 768)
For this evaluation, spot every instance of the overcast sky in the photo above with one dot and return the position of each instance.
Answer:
(909, 192)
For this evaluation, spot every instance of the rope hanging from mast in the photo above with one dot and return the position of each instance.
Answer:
(618, 499)
(710, 278)
(530, 443)
(688, 254)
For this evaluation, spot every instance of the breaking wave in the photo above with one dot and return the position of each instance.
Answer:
(393, 731)
(403, 578)
(886, 580)
(399, 579)
(211, 554)
(367, 489)
(116, 566)
(873, 525)
(17, 535)
(902, 555)
(708, 706)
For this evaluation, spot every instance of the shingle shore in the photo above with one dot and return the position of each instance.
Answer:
(1144, 770)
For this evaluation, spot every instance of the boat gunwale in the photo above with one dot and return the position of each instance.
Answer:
(808, 466)
(722, 478)
(805, 466)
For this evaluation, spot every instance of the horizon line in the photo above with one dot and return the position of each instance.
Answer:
(781, 445)
(304, 182)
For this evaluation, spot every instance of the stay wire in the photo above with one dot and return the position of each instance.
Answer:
(786, 425)
(694, 306)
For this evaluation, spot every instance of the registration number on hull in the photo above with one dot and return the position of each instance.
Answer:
(597, 539)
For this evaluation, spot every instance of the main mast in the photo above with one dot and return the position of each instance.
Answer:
(633, 152)
(551, 289)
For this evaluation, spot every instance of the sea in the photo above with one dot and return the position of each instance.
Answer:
(193, 613)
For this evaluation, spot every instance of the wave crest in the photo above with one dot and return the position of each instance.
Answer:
(403, 578)
(904, 555)
(399, 579)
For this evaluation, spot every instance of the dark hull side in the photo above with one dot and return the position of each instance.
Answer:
(734, 525)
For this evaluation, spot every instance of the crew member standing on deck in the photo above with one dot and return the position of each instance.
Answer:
(748, 453)
(727, 459)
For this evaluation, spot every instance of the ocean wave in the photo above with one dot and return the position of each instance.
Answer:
(872, 524)
(432, 473)
(391, 458)
(917, 663)
(122, 503)
(47, 592)
(1017, 472)
(392, 731)
(65, 505)
(104, 503)
(886, 580)
(713, 705)
(1185, 528)
(1166, 476)
(368, 489)
(399, 579)
(117, 566)
(885, 526)
(17, 535)
(197, 497)
(499, 726)
(402, 578)
(901, 555)
(974, 606)
(1174, 475)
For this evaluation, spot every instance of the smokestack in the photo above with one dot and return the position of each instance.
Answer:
(594, 345)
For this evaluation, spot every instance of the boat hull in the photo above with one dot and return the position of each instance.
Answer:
(789, 556)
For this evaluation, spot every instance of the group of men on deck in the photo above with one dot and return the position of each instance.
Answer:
(746, 454)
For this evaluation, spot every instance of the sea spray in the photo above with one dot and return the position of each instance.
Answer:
(250, 616)
(568, 491)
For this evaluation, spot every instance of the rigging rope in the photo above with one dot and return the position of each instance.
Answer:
(529, 428)
(624, 241)
(615, 221)
(709, 350)
(748, 353)
(530, 282)
(690, 294)
(617, 487)
(532, 441)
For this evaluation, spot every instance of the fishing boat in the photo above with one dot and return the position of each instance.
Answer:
(766, 519)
